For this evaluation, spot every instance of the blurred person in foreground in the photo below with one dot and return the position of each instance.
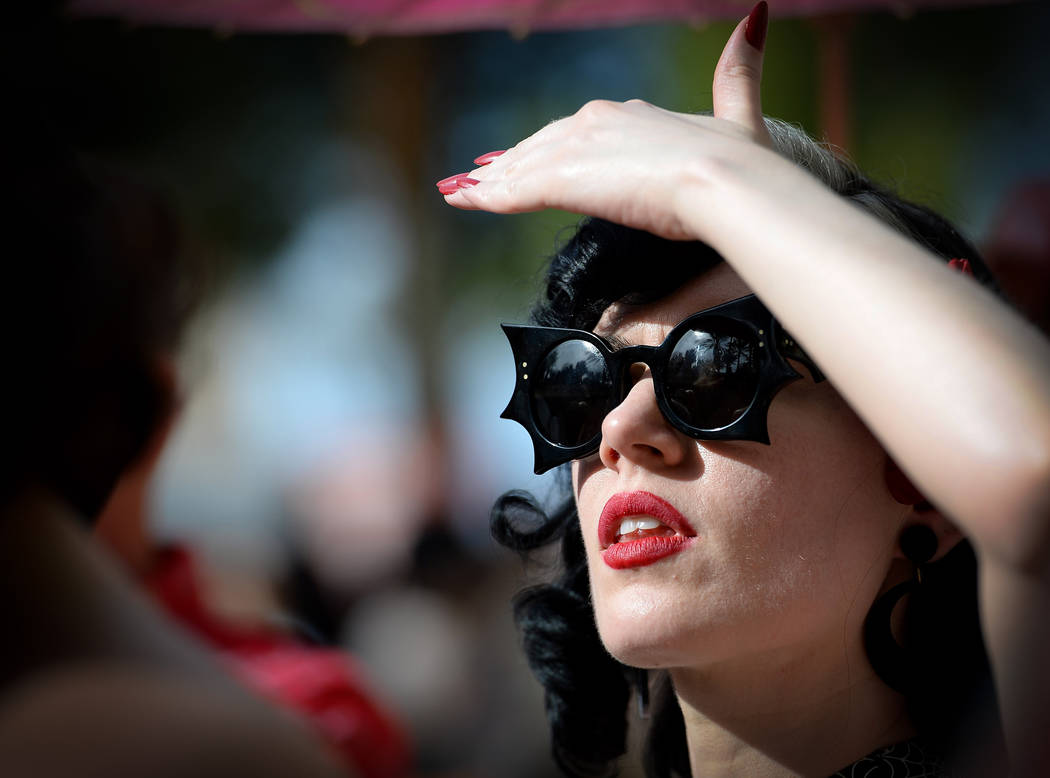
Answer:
(94, 680)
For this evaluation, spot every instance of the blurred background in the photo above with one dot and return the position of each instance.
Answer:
(340, 445)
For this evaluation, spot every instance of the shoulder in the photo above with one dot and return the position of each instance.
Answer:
(105, 721)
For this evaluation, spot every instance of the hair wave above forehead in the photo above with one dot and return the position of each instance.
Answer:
(603, 262)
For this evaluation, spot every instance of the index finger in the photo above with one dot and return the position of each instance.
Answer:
(737, 89)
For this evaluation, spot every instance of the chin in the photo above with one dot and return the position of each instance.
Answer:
(640, 639)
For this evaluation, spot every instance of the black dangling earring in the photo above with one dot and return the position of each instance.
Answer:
(891, 662)
(641, 683)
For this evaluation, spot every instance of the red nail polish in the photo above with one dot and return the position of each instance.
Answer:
(757, 22)
(485, 159)
(456, 182)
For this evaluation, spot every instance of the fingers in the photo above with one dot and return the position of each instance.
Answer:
(454, 183)
(486, 159)
(459, 181)
(737, 88)
(514, 187)
(459, 190)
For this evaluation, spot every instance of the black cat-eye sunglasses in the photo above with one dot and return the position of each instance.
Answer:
(714, 376)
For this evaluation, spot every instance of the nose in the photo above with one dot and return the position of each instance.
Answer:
(636, 431)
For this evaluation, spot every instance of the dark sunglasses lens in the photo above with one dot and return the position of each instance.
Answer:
(570, 393)
(712, 375)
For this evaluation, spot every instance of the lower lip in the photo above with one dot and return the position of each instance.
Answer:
(644, 551)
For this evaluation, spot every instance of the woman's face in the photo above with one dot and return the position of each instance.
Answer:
(792, 540)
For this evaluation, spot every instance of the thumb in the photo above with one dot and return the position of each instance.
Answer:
(736, 91)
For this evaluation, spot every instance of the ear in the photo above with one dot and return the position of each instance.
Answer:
(921, 512)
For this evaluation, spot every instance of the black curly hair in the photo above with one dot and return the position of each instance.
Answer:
(587, 690)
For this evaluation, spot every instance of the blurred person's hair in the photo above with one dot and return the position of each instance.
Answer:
(95, 290)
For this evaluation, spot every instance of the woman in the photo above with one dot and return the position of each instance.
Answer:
(764, 579)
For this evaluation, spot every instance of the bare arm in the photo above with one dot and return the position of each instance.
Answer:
(954, 383)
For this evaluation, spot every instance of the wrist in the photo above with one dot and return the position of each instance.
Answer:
(718, 194)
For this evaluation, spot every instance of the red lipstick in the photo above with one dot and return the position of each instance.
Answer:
(617, 553)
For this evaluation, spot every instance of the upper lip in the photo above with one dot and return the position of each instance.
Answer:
(626, 504)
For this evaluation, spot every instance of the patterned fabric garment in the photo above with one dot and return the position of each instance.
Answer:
(909, 759)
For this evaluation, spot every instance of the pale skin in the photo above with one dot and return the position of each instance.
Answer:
(961, 402)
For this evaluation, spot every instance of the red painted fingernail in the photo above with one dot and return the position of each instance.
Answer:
(757, 22)
(484, 159)
(456, 182)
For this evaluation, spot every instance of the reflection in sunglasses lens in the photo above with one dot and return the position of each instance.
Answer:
(712, 375)
(570, 393)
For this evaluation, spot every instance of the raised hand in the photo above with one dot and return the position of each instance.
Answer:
(630, 162)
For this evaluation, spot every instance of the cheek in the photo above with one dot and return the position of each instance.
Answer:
(767, 544)
(830, 505)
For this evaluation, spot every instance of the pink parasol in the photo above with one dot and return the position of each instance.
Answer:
(417, 17)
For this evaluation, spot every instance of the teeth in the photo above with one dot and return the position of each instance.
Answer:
(629, 525)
